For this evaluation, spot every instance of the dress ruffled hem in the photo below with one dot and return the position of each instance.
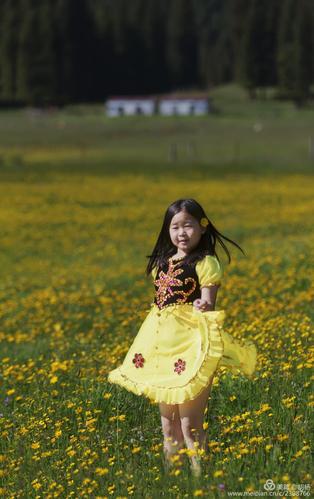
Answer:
(242, 359)
(176, 395)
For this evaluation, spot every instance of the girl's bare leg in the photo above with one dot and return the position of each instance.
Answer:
(192, 418)
(171, 428)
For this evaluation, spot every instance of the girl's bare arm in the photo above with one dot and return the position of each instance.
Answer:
(208, 298)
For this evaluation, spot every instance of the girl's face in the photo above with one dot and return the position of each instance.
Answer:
(185, 232)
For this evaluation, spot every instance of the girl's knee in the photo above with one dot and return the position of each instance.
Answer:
(173, 438)
(191, 427)
(171, 428)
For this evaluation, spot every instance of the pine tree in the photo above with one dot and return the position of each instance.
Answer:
(271, 27)
(105, 79)
(304, 52)
(25, 48)
(286, 49)
(135, 62)
(153, 25)
(36, 59)
(295, 51)
(75, 49)
(1, 47)
(47, 65)
(181, 43)
(256, 55)
(214, 41)
(238, 11)
(9, 18)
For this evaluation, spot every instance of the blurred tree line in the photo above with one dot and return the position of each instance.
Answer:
(60, 51)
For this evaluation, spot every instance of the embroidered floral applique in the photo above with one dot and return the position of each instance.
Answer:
(168, 280)
(164, 283)
(179, 366)
(138, 360)
(185, 294)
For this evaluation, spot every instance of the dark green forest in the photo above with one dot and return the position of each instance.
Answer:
(54, 52)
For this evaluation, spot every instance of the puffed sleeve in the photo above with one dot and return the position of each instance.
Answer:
(209, 271)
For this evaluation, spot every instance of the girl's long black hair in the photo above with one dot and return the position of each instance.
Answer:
(164, 248)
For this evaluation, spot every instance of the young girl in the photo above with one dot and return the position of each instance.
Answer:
(181, 343)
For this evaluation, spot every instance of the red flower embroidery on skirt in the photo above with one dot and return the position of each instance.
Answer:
(138, 360)
(179, 366)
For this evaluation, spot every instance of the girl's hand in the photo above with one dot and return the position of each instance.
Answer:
(202, 305)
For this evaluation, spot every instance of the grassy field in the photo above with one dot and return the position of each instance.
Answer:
(241, 137)
(82, 200)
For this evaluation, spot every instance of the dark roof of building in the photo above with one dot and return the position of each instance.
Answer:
(174, 96)
(132, 97)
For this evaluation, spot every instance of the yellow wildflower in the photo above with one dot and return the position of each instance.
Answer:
(218, 473)
(101, 471)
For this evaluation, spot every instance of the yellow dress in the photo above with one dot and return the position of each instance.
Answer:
(178, 348)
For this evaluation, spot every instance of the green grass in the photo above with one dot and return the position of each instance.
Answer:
(246, 136)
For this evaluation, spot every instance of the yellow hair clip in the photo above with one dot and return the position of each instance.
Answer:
(204, 222)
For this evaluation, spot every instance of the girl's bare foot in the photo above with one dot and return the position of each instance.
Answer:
(196, 467)
(169, 455)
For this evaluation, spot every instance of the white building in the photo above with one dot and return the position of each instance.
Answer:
(183, 106)
(168, 105)
(130, 106)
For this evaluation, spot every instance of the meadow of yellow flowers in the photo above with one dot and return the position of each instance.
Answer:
(73, 295)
